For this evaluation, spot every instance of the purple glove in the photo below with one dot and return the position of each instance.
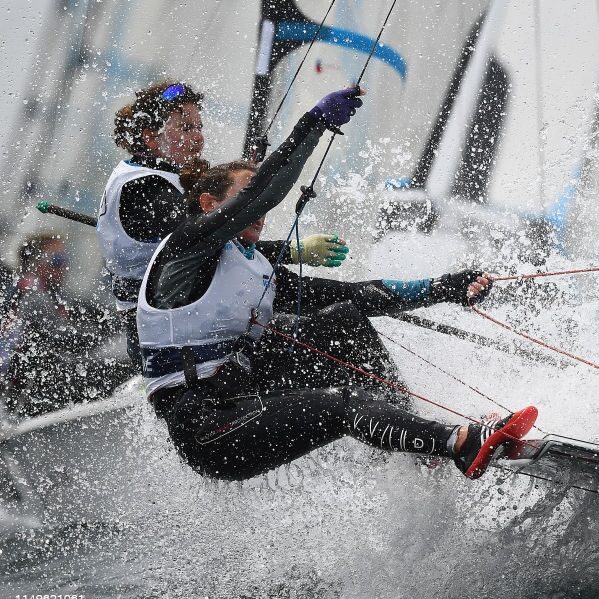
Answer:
(337, 108)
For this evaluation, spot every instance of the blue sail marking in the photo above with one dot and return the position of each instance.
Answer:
(299, 31)
(558, 214)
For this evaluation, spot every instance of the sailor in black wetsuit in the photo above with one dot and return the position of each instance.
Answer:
(143, 200)
(234, 403)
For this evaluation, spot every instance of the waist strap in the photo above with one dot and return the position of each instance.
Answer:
(160, 361)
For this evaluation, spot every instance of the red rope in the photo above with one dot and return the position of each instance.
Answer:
(455, 378)
(359, 370)
(530, 338)
(540, 342)
(397, 387)
(544, 274)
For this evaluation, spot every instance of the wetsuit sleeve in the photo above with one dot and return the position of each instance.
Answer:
(271, 250)
(150, 208)
(177, 277)
(372, 298)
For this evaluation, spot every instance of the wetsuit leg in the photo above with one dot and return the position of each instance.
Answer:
(250, 435)
(340, 330)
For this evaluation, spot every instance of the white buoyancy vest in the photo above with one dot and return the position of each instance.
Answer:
(125, 257)
(211, 325)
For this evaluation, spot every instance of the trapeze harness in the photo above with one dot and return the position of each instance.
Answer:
(210, 328)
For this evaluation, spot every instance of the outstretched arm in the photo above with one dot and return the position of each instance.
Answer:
(380, 297)
(181, 270)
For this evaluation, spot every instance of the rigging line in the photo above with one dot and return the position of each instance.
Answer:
(543, 478)
(376, 41)
(304, 199)
(540, 342)
(506, 348)
(320, 165)
(276, 265)
(356, 85)
(299, 68)
(363, 372)
(534, 339)
(545, 274)
(455, 378)
(299, 283)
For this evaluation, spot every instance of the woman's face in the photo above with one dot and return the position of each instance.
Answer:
(181, 139)
(240, 179)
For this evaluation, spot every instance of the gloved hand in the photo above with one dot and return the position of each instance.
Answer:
(337, 108)
(320, 250)
(465, 287)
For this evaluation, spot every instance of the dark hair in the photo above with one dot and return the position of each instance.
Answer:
(149, 111)
(215, 181)
(32, 249)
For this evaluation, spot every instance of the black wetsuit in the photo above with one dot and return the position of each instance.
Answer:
(236, 425)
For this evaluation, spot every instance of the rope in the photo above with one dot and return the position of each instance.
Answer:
(378, 37)
(526, 336)
(545, 478)
(544, 274)
(308, 192)
(455, 378)
(299, 286)
(376, 377)
(299, 68)
(540, 342)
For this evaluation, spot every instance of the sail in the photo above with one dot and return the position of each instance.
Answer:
(518, 143)
(502, 157)
(575, 214)
(405, 85)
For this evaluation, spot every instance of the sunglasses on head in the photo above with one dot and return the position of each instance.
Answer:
(173, 91)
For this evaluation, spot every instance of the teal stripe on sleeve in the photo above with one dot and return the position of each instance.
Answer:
(409, 291)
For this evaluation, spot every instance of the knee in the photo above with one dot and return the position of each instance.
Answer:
(353, 395)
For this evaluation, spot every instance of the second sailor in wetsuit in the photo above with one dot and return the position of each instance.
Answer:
(208, 366)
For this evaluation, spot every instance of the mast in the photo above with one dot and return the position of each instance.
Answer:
(271, 50)
(465, 124)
